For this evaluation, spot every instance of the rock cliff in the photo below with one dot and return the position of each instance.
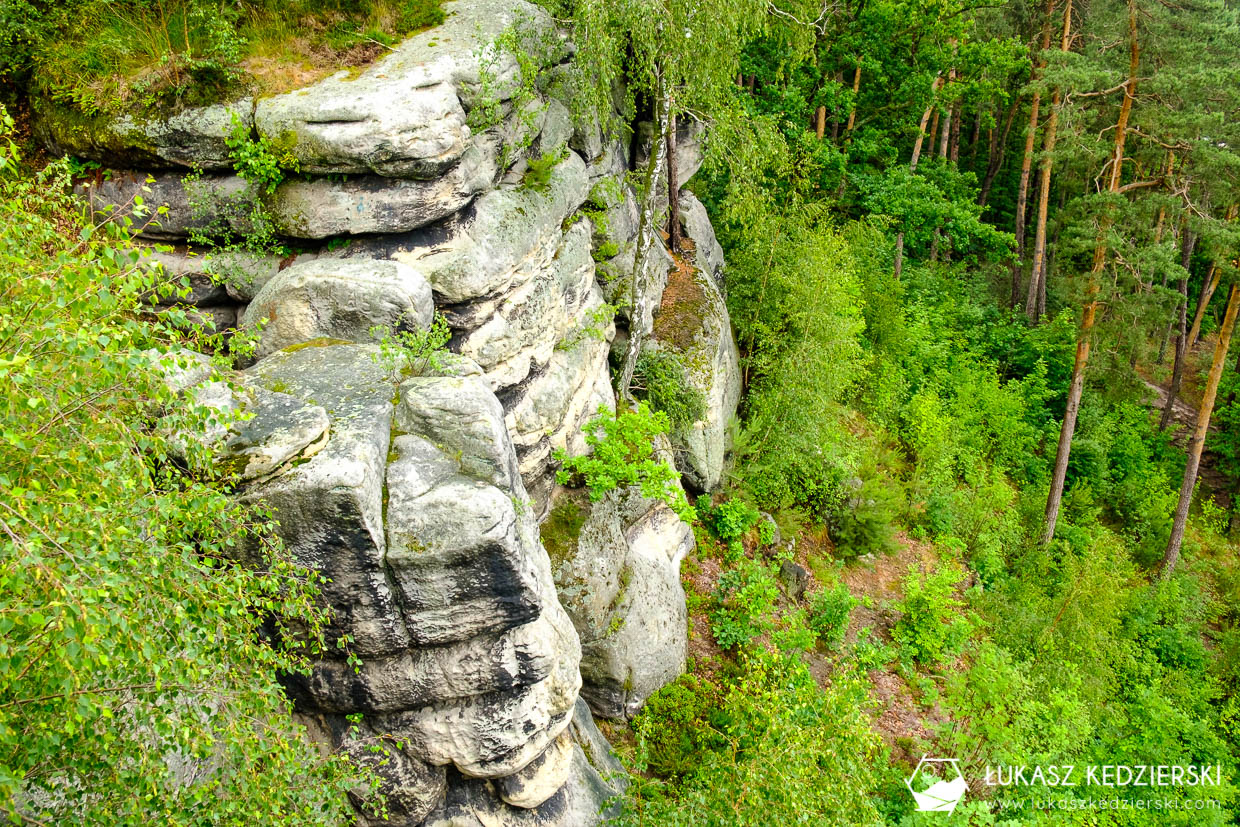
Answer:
(416, 487)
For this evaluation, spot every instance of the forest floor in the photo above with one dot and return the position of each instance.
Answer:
(877, 581)
(898, 714)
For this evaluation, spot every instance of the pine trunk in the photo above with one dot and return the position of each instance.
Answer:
(852, 111)
(1115, 164)
(1181, 335)
(1203, 302)
(997, 152)
(1187, 242)
(1035, 296)
(1198, 442)
(1207, 290)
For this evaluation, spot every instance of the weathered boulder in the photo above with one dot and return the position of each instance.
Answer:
(693, 324)
(193, 138)
(406, 115)
(594, 781)
(315, 208)
(707, 252)
(239, 275)
(551, 304)
(519, 292)
(249, 430)
(479, 253)
(324, 207)
(617, 566)
(338, 299)
(330, 508)
(274, 430)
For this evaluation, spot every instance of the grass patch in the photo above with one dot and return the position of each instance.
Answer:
(102, 56)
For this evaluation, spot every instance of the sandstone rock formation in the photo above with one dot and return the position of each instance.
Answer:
(617, 567)
(415, 487)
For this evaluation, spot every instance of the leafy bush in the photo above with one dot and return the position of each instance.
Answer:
(829, 610)
(865, 522)
(255, 159)
(413, 352)
(621, 454)
(660, 379)
(419, 14)
(783, 751)
(674, 727)
(135, 651)
(537, 175)
(931, 626)
(730, 519)
(793, 299)
(106, 56)
(745, 600)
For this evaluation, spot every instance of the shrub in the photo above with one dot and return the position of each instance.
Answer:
(419, 14)
(622, 454)
(729, 520)
(865, 522)
(829, 610)
(660, 380)
(537, 175)
(674, 730)
(135, 651)
(745, 601)
(931, 627)
(255, 159)
(782, 751)
(413, 352)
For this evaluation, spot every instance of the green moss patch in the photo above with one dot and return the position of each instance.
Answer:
(562, 528)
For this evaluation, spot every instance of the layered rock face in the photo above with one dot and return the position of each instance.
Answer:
(415, 484)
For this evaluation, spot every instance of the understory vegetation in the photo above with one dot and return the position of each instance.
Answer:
(139, 640)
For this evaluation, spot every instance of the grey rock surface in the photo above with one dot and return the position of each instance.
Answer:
(194, 138)
(330, 509)
(407, 116)
(338, 299)
(619, 581)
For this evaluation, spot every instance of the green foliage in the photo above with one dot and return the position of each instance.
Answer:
(537, 175)
(256, 161)
(413, 352)
(932, 626)
(829, 610)
(660, 379)
(745, 600)
(622, 454)
(778, 749)
(793, 296)
(864, 522)
(138, 656)
(596, 327)
(729, 520)
(107, 56)
(416, 15)
(674, 727)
